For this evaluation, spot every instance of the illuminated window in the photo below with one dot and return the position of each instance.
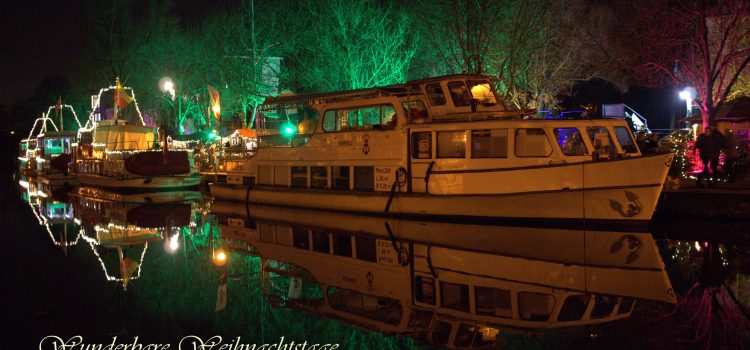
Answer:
(570, 142)
(421, 145)
(482, 92)
(451, 144)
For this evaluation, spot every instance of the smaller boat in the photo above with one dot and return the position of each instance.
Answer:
(47, 154)
(123, 152)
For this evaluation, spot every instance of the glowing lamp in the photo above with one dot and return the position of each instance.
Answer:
(167, 86)
(288, 130)
(220, 257)
(216, 108)
(173, 243)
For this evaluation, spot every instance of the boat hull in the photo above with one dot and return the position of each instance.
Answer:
(152, 183)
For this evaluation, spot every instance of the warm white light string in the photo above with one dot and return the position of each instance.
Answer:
(43, 221)
(92, 243)
(75, 115)
(91, 123)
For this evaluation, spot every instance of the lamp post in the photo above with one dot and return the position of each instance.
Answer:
(168, 89)
(688, 94)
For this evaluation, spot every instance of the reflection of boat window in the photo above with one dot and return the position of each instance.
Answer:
(300, 238)
(603, 306)
(454, 296)
(420, 319)
(342, 245)
(626, 305)
(441, 333)
(425, 289)
(573, 308)
(320, 241)
(535, 306)
(366, 249)
(379, 309)
(296, 289)
(465, 335)
(493, 302)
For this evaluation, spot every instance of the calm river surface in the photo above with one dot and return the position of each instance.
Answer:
(165, 266)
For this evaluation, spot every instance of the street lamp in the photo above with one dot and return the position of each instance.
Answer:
(167, 86)
(688, 94)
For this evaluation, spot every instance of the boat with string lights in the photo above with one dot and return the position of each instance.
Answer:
(415, 278)
(47, 154)
(121, 151)
(445, 148)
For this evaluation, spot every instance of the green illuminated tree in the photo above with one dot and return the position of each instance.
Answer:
(344, 44)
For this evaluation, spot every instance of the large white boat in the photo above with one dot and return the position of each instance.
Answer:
(416, 278)
(123, 152)
(445, 147)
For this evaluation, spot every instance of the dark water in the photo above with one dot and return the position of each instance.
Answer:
(102, 265)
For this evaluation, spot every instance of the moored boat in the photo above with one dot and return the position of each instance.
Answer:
(124, 153)
(445, 147)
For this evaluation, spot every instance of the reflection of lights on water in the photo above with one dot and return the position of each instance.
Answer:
(697, 246)
(24, 184)
(173, 243)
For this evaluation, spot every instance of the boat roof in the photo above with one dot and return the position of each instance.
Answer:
(388, 90)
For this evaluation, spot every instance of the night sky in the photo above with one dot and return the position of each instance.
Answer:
(50, 38)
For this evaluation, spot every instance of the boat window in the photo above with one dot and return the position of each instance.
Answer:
(360, 118)
(626, 139)
(535, 306)
(389, 116)
(421, 145)
(626, 305)
(320, 241)
(318, 177)
(340, 176)
(265, 175)
(425, 289)
(54, 147)
(299, 176)
(277, 119)
(329, 121)
(493, 302)
(465, 335)
(416, 110)
(342, 245)
(459, 93)
(366, 248)
(441, 333)
(300, 238)
(570, 142)
(451, 144)
(368, 306)
(489, 143)
(435, 94)
(603, 306)
(482, 92)
(574, 308)
(454, 296)
(532, 142)
(602, 141)
(364, 178)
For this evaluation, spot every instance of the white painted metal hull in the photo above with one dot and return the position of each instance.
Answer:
(153, 183)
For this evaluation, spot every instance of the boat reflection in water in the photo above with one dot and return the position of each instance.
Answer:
(126, 223)
(453, 285)
(53, 210)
